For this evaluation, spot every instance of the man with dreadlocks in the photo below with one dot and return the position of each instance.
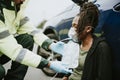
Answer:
(14, 24)
(94, 54)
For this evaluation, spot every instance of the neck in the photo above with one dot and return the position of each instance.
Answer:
(87, 42)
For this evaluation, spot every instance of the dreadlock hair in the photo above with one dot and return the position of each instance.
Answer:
(89, 14)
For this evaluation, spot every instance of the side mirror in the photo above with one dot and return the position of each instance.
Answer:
(79, 2)
(116, 8)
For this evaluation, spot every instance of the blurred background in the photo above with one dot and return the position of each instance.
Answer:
(39, 10)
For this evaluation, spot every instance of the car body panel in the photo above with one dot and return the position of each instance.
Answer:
(55, 24)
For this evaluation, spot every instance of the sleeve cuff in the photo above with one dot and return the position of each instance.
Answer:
(43, 63)
(46, 44)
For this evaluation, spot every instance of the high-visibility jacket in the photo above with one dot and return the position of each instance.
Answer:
(14, 23)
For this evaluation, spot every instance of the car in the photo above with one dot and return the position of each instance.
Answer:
(109, 26)
(57, 29)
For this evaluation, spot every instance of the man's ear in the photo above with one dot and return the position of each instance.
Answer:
(88, 29)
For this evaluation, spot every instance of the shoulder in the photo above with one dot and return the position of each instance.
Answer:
(100, 41)
(102, 44)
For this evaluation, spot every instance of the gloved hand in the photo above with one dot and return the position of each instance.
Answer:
(57, 47)
(59, 67)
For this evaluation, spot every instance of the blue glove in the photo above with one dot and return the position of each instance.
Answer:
(59, 67)
(57, 47)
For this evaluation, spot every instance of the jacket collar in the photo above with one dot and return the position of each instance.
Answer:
(96, 41)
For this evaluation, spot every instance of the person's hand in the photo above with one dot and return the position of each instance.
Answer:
(57, 47)
(65, 78)
(59, 67)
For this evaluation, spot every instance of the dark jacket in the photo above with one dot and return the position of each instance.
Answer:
(98, 63)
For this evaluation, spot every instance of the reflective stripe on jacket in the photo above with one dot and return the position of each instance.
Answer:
(15, 24)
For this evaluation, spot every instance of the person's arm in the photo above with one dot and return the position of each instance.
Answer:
(39, 37)
(105, 62)
(10, 48)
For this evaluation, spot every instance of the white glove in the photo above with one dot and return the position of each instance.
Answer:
(57, 47)
(59, 67)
